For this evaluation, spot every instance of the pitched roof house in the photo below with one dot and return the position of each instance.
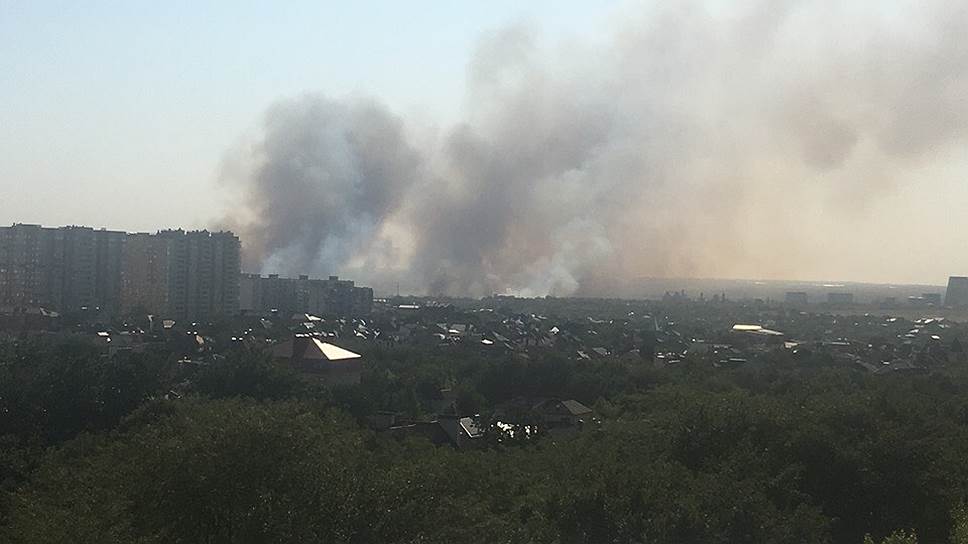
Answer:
(314, 358)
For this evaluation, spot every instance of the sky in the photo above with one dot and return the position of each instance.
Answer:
(837, 151)
(118, 114)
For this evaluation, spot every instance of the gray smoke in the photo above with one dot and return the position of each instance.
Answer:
(696, 142)
(319, 183)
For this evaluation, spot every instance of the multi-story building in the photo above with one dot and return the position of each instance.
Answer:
(840, 298)
(173, 273)
(78, 267)
(65, 268)
(108, 265)
(956, 295)
(144, 284)
(331, 296)
(201, 273)
(20, 273)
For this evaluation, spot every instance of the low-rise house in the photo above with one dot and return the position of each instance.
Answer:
(464, 432)
(320, 360)
(556, 413)
(446, 430)
(752, 334)
(600, 352)
(429, 430)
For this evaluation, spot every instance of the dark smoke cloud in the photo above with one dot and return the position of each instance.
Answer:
(695, 143)
(320, 182)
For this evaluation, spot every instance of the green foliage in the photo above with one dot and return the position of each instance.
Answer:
(246, 373)
(51, 391)
(792, 452)
(897, 537)
(237, 471)
(959, 529)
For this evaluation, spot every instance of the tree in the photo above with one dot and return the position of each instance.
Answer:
(897, 537)
(246, 373)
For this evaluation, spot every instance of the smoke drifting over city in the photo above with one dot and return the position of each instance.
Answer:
(688, 142)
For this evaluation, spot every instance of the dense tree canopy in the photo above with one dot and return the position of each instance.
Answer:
(94, 449)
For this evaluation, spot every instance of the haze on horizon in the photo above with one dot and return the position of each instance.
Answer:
(468, 150)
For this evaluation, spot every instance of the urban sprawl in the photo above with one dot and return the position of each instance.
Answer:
(172, 274)
(151, 369)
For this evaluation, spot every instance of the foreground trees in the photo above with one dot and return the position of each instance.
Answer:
(241, 471)
(93, 452)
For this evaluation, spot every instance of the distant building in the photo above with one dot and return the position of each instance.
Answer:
(556, 412)
(203, 274)
(76, 250)
(108, 269)
(144, 285)
(840, 298)
(926, 299)
(304, 295)
(68, 269)
(182, 275)
(447, 429)
(315, 359)
(796, 297)
(956, 295)
(755, 334)
(462, 432)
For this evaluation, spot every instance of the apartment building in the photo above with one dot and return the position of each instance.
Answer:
(331, 296)
(177, 274)
(65, 269)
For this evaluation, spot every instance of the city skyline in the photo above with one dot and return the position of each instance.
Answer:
(553, 148)
(174, 273)
(547, 271)
(140, 237)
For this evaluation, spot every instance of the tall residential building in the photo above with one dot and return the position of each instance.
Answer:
(65, 269)
(19, 257)
(331, 296)
(957, 294)
(176, 274)
(78, 267)
(201, 274)
(108, 266)
(144, 283)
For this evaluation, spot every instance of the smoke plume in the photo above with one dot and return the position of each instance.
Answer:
(697, 141)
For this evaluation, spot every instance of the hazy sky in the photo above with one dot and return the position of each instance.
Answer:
(118, 113)
(122, 114)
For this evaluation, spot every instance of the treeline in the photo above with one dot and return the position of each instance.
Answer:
(138, 448)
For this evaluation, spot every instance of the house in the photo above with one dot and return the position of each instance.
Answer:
(320, 360)
(756, 334)
(382, 420)
(428, 430)
(464, 432)
(447, 430)
(557, 413)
